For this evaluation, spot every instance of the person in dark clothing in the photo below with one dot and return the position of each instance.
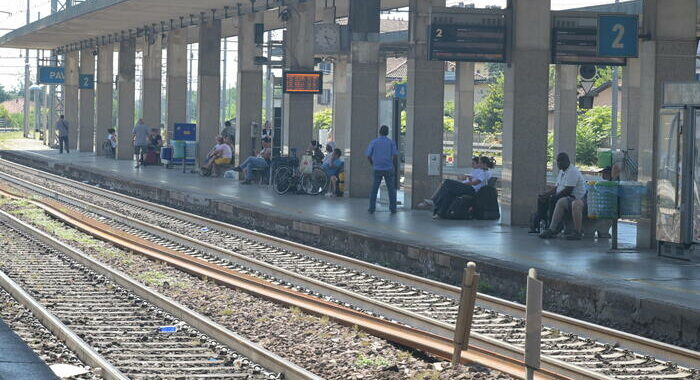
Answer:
(62, 129)
(316, 152)
(451, 189)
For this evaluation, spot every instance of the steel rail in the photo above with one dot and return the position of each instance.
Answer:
(397, 333)
(205, 325)
(81, 349)
(646, 346)
(440, 328)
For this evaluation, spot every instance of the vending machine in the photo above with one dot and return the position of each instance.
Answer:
(678, 172)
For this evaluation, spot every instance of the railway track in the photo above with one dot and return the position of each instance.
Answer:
(408, 299)
(114, 324)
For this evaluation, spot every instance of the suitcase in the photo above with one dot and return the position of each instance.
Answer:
(151, 158)
(459, 208)
(486, 204)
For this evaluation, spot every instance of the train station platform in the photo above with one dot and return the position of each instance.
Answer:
(18, 361)
(637, 291)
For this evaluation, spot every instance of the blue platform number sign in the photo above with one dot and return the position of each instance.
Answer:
(400, 91)
(185, 132)
(617, 36)
(86, 81)
(51, 75)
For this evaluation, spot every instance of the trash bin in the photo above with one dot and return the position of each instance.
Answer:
(603, 199)
(605, 157)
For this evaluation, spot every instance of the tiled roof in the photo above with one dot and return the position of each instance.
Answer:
(14, 105)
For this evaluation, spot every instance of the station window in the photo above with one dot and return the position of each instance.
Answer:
(324, 98)
(325, 67)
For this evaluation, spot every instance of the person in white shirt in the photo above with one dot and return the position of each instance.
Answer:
(570, 187)
(451, 189)
(219, 155)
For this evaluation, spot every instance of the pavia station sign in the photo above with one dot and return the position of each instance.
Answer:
(51, 75)
(485, 35)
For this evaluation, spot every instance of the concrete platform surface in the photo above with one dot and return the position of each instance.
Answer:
(18, 361)
(583, 278)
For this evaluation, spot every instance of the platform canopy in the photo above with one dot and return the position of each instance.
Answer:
(94, 19)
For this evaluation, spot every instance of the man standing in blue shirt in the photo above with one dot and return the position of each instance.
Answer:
(384, 157)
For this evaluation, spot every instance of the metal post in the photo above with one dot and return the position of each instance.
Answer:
(224, 94)
(470, 282)
(615, 96)
(269, 86)
(533, 323)
(189, 84)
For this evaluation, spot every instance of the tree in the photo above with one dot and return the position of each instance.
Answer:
(488, 115)
(5, 95)
(323, 119)
(592, 131)
(494, 69)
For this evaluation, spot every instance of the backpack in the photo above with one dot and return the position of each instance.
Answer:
(486, 204)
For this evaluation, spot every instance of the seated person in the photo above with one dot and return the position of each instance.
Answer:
(570, 187)
(332, 169)
(316, 152)
(329, 155)
(262, 160)
(155, 141)
(475, 166)
(111, 139)
(219, 155)
(451, 189)
(229, 140)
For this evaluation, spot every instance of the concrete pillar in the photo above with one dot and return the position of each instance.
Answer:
(126, 92)
(668, 55)
(249, 84)
(86, 132)
(298, 108)
(565, 100)
(151, 82)
(176, 80)
(208, 90)
(424, 106)
(525, 112)
(340, 93)
(631, 83)
(464, 114)
(105, 77)
(70, 97)
(362, 94)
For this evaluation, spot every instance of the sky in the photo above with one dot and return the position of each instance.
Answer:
(12, 66)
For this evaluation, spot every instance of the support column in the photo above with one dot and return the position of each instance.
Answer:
(70, 97)
(209, 85)
(669, 55)
(86, 132)
(105, 77)
(298, 108)
(152, 78)
(362, 95)
(464, 114)
(525, 112)
(340, 94)
(249, 84)
(565, 119)
(127, 94)
(176, 79)
(424, 106)
(631, 84)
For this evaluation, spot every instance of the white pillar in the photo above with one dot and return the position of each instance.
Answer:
(127, 93)
(631, 84)
(249, 85)
(464, 114)
(70, 97)
(424, 106)
(86, 132)
(176, 80)
(151, 82)
(565, 119)
(105, 78)
(298, 108)
(340, 93)
(209, 85)
(525, 112)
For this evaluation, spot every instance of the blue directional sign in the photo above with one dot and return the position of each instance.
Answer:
(400, 91)
(185, 132)
(86, 81)
(617, 35)
(51, 75)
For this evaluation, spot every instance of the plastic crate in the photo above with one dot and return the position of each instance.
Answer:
(603, 200)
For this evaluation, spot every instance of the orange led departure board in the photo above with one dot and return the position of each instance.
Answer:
(298, 82)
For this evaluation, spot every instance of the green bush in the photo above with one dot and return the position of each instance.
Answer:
(323, 119)
(488, 113)
(592, 132)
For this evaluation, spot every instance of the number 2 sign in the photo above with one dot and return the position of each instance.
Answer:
(617, 36)
(86, 81)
